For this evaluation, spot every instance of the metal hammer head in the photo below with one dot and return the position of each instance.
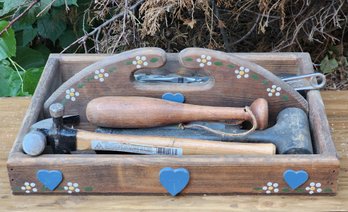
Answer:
(290, 134)
(51, 131)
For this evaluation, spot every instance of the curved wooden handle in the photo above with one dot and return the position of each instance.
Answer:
(189, 146)
(143, 112)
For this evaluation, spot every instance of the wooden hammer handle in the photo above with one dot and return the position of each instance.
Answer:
(142, 112)
(188, 146)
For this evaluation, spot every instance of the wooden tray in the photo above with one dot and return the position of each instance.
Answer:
(139, 174)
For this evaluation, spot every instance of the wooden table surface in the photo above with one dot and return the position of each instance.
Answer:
(12, 111)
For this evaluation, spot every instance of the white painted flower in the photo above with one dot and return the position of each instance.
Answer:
(271, 187)
(314, 187)
(274, 90)
(71, 94)
(72, 187)
(140, 61)
(100, 75)
(29, 187)
(204, 60)
(242, 72)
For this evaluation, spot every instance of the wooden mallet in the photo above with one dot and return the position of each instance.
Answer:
(143, 112)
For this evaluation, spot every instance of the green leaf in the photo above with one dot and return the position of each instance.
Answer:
(52, 26)
(328, 65)
(25, 36)
(188, 59)
(218, 63)
(26, 21)
(10, 82)
(153, 60)
(255, 76)
(231, 66)
(59, 3)
(10, 5)
(67, 38)
(29, 58)
(31, 78)
(45, 52)
(7, 42)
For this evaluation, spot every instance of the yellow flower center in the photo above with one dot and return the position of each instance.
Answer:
(28, 187)
(204, 60)
(270, 188)
(273, 90)
(241, 73)
(140, 62)
(72, 94)
(71, 188)
(100, 75)
(312, 188)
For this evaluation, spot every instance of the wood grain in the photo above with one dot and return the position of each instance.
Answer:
(11, 115)
(225, 89)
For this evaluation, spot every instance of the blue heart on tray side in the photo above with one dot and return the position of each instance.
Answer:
(174, 180)
(50, 178)
(295, 178)
(178, 97)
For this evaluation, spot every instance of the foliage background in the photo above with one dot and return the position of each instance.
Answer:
(112, 26)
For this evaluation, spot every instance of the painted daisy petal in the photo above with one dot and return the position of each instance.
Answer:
(96, 72)
(145, 63)
(72, 90)
(268, 89)
(270, 94)
(246, 70)
(276, 190)
(137, 57)
(209, 63)
(275, 184)
(311, 192)
(69, 192)
(318, 185)
(101, 79)
(67, 91)
(264, 188)
(273, 86)
(96, 77)
(26, 183)
(69, 183)
(102, 70)
(77, 94)
(236, 71)
(106, 75)
(27, 191)
(208, 57)
(268, 192)
(134, 62)
(76, 185)
(203, 56)
(198, 60)
(278, 88)
(238, 76)
(312, 184)
(143, 58)
(246, 75)
(77, 190)
(241, 68)
(67, 96)
(32, 184)
(201, 65)
(319, 190)
(23, 188)
(73, 99)
(277, 94)
(34, 189)
(269, 183)
(138, 66)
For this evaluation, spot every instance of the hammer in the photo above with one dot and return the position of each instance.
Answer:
(143, 112)
(64, 140)
(290, 134)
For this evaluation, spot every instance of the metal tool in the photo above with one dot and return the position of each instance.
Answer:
(298, 82)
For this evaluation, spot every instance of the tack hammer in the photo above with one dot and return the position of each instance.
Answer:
(142, 112)
(64, 140)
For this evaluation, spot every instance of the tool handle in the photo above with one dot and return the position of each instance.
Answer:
(142, 112)
(188, 146)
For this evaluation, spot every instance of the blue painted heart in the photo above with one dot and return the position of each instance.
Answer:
(178, 97)
(50, 178)
(174, 180)
(295, 178)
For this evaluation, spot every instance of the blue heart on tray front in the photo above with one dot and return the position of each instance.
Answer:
(178, 97)
(174, 180)
(50, 178)
(295, 178)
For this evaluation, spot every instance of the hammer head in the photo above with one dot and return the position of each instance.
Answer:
(290, 134)
(51, 131)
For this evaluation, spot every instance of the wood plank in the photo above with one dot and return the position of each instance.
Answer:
(13, 109)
